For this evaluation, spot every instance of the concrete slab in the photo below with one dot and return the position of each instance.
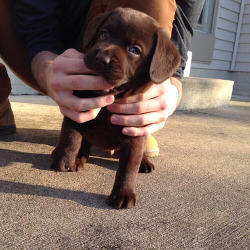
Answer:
(203, 93)
(198, 197)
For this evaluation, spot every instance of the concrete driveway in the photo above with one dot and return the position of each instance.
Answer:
(198, 197)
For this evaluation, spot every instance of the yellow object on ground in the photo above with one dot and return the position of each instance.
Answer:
(152, 149)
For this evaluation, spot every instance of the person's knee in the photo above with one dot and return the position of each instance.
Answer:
(163, 11)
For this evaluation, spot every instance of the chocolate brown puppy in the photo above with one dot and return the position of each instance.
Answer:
(130, 51)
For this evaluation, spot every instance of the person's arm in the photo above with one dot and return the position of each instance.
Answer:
(38, 25)
(41, 68)
(186, 18)
(57, 71)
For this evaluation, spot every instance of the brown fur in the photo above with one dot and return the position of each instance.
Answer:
(108, 47)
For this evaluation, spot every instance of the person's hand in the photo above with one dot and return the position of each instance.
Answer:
(69, 73)
(145, 113)
(59, 75)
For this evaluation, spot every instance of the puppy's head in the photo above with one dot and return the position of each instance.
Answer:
(129, 49)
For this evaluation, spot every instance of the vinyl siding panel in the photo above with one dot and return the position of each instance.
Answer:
(221, 44)
(231, 5)
(243, 58)
(214, 65)
(246, 19)
(245, 28)
(244, 48)
(227, 25)
(227, 56)
(244, 67)
(229, 14)
(245, 38)
(243, 55)
(247, 8)
(225, 35)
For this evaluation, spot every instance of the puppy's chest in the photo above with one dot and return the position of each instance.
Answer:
(101, 133)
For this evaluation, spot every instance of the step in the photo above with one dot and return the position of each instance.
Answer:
(204, 93)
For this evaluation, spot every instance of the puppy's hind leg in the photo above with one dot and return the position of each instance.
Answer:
(146, 165)
(83, 154)
(63, 157)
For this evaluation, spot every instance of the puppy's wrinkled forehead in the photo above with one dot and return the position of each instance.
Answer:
(130, 25)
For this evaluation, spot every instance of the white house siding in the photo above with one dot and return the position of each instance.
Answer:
(243, 56)
(225, 37)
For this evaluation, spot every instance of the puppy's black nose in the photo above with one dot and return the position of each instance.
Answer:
(103, 58)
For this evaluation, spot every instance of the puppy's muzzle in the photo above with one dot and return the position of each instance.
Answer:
(103, 58)
(108, 62)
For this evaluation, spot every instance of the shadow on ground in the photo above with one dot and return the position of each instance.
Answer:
(41, 161)
(37, 136)
(84, 198)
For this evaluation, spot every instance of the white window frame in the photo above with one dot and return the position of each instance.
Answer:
(206, 19)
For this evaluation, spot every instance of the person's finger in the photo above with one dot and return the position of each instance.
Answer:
(155, 104)
(70, 66)
(153, 91)
(80, 117)
(143, 131)
(72, 53)
(80, 82)
(139, 120)
(82, 104)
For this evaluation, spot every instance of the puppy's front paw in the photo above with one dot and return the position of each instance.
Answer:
(121, 199)
(62, 162)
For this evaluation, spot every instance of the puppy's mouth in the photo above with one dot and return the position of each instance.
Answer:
(117, 90)
(108, 66)
(119, 85)
(115, 78)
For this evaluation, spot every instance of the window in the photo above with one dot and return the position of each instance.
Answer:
(204, 36)
(205, 21)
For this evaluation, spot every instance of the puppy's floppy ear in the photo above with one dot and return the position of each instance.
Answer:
(93, 28)
(166, 58)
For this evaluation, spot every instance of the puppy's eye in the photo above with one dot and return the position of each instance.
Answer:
(136, 50)
(104, 34)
